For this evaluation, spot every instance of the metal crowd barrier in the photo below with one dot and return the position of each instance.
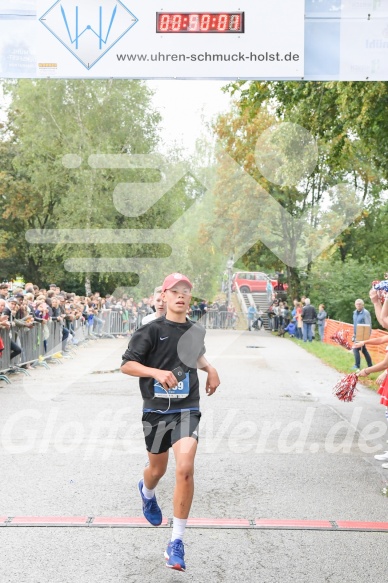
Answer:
(54, 341)
(224, 320)
(34, 347)
(80, 331)
(43, 341)
(114, 323)
(5, 360)
(30, 342)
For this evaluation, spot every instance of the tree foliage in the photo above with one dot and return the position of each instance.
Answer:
(52, 129)
(346, 120)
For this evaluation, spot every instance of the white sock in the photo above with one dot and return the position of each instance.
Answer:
(148, 493)
(178, 528)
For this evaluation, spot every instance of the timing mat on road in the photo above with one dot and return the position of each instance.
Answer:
(213, 523)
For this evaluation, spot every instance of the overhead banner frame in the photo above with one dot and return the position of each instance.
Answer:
(204, 39)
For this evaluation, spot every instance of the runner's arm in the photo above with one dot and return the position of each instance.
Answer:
(213, 380)
(135, 369)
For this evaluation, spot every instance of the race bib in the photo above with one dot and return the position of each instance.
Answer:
(181, 391)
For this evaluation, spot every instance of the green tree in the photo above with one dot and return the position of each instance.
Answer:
(53, 127)
(338, 284)
(344, 157)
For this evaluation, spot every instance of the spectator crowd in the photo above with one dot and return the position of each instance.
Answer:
(28, 306)
(301, 321)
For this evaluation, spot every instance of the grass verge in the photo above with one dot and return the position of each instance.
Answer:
(338, 358)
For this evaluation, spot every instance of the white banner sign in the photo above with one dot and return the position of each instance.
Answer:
(364, 50)
(153, 39)
(363, 8)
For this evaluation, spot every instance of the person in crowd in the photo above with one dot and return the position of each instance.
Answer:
(88, 315)
(29, 300)
(133, 319)
(159, 306)
(29, 288)
(276, 314)
(258, 323)
(41, 315)
(299, 321)
(203, 308)
(94, 322)
(142, 311)
(291, 329)
(4, 317)
(212, 312)
(286, 314)
(222, 315)
(232, 317)
(270, 292)
(280, 314)
(170, 422)
(309, 317)
(321, 320)
(56, 316)
(293, 311)
(361, 316)
(10, 310)
(251, 315)
(271, 315)
(195, 311)
(5, 324)
(125, 317)
(3, 291)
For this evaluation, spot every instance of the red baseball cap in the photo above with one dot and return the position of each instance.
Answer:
(175, 278)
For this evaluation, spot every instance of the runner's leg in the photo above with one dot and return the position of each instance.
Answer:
(156, 469)
(184, 451)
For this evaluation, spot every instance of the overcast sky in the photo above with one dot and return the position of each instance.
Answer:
(182, 105)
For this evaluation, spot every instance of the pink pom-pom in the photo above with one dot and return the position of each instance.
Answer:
(345, 388)
(342, 338)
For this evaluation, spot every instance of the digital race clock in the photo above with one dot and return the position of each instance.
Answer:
(200, 22)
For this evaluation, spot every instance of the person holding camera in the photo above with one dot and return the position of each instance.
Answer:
(361, 316)
(165, 355)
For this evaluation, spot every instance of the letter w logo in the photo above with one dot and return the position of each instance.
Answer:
(86, 30)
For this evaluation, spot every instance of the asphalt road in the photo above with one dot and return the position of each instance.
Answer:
(274, 443)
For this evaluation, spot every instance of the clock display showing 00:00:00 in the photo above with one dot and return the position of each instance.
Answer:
(200, 22)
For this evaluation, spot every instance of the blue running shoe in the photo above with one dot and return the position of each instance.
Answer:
(174, 554)
(151, 509)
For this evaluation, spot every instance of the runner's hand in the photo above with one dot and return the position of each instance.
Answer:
(167, 379)
(212, 381)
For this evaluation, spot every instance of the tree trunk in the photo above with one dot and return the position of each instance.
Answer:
(88, 286)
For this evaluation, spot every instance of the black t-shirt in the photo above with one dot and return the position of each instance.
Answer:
(164, 345)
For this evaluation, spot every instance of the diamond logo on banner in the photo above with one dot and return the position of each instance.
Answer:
(88, 29)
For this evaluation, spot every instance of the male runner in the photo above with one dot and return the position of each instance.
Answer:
(165, 354)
